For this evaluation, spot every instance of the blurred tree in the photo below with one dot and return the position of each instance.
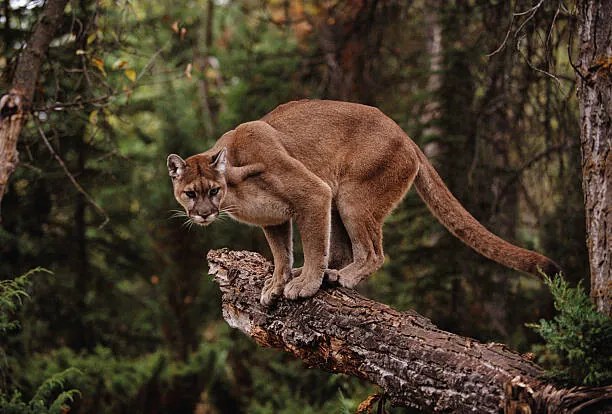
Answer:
(595, 93)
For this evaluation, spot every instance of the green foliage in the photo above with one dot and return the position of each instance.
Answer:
(578, 341)
(105, 376)
(51, 396)
(12, 293)
(56, 382)
(109, 383)
(37, 405)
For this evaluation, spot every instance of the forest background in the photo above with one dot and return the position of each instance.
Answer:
(129, 316)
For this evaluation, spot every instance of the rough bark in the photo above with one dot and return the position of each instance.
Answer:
(15, 106)
(416, 364)
(595, 96)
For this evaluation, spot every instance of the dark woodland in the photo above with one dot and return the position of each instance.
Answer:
(106, 302)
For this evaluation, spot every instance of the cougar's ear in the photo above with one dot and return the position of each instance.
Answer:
(176, 166)
(219, 161)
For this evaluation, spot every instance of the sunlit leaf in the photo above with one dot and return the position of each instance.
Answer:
(130, 74)
(93, 117)
(98, 63)
(120, 64)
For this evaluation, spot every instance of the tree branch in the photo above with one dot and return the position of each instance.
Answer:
(72, 178)
(415, 363)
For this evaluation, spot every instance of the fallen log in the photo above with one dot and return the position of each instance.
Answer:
(415, 363)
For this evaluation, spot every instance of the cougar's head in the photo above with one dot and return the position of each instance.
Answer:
(199, 184)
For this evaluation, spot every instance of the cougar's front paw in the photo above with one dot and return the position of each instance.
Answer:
(272, 289)
(303, 286)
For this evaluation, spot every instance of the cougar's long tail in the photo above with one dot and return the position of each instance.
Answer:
(449, 211)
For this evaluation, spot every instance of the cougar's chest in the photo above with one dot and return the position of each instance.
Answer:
(252, 205)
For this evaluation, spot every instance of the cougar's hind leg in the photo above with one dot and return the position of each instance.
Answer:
(340, 249)
(365, 232)
(363, 217)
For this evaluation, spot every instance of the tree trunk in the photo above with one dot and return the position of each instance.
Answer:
(15, 106)
(347, 33)
(595, 96)
(430, 118)
(201, 60)
(416, 364)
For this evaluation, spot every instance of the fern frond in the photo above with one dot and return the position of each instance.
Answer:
(55, 383)
(62, 402)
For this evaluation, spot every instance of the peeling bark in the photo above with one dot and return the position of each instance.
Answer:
(595, 98)
(416, 364)
(15, 106)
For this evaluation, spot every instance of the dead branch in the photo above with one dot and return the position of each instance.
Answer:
(15, 106)
(72, 178)
(415, 363)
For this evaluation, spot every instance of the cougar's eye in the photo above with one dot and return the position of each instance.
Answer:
(214, 191)
(190, 194)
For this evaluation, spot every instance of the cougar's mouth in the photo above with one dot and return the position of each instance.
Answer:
(204, 220)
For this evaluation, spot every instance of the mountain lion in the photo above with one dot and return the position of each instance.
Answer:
(336, 170)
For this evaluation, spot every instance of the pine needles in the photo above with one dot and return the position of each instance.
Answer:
(578, 341)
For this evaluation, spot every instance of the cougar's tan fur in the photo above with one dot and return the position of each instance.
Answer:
(336, 170)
